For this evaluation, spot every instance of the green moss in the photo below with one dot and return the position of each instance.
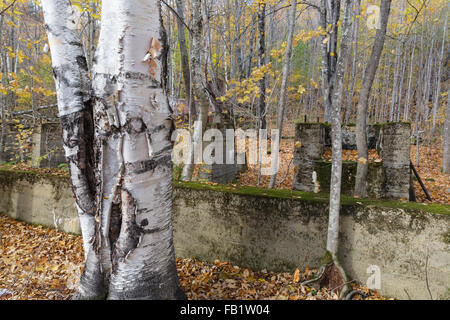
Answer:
(327, 258)
(9, 177)
(447, 237)
(317, 198)
(253, 191)
(382, 124)
(308, 124)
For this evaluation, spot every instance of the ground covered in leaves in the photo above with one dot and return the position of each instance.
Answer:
(44, 264)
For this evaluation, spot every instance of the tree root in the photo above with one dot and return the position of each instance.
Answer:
(351, 294)
(331, 276)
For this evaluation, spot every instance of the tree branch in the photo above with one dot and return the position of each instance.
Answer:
(8, 7)
(176, 14)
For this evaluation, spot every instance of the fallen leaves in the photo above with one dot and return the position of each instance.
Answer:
(35, 262)
(430, 171)
(44, 264)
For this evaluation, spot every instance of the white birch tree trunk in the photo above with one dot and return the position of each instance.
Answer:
(129, 234)
(72, 87)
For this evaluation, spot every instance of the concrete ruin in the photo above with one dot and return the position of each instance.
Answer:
(391, 178)
(277, 230)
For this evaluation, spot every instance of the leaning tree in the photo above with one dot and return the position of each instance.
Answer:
(117, 130)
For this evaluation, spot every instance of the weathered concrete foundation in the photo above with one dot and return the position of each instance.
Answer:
(224, 171)
(389, 179)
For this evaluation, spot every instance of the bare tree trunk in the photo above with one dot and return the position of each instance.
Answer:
(283, 93)
(354, 62)
(336, 171)
(123, 184)
(329, 21)
(2, 98)
(361, 125)
(184, 55)
(250, 53)
(439, 76)
(262, 63)
(446, 155)
(198, 87)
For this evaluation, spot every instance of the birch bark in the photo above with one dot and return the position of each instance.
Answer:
(118, 143)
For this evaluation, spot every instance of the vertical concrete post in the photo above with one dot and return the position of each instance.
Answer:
(395, 152)
(218, 172)
(309, 146)
(36, 145)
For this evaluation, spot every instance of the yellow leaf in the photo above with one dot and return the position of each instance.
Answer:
(297, 276)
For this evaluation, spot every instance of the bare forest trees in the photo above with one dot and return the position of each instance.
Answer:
(117, 136)
(283, 91)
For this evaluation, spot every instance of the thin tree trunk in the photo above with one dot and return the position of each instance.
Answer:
(361, 125)
(336, 133)
(439, 76)
(354, 63)
(446, 154)
(198, 88)
(283, 93)
(408, 94)
(262, 63)
(184, 55)
(329, 21)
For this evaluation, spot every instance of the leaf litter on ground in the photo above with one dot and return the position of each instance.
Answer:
(37, 263)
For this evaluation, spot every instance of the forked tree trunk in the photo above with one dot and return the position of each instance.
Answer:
(361, 122)
(117, 138)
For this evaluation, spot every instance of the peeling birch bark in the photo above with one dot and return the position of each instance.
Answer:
(72, 87)
(125, 187)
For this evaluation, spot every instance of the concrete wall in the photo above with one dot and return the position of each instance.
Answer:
(276, 230)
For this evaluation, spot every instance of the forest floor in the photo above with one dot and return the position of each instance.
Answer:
(37, 263)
